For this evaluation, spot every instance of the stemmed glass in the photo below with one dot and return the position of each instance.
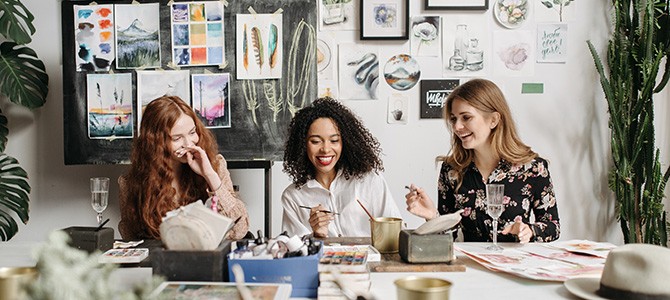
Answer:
(494, 208)
(99, 195)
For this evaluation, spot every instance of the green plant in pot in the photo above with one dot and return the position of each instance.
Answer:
(639, 43)
(24, 81)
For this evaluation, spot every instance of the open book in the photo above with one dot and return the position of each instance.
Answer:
(194, 227)
(219, 290)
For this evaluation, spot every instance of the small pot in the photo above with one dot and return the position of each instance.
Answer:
(13, 281)
(422, 288)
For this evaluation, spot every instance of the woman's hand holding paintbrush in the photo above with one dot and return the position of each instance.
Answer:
(419, 204)
(319, 219)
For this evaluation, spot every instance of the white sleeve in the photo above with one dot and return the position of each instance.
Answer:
(291, 220)
(388, 206)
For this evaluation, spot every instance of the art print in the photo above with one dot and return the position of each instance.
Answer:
(358, 71)
(514, 53)
(137, 35)
(434, 94)
(154, 84)
(338, 14)
(219, 290)
(466, 45)
(94, 37)
(259, 46)
(109, 103)
(402, 72)
(397, 109)
(425, 36)
(211, 99)
(326, 56)
(197, 33)
(552, 43)
(384, 20)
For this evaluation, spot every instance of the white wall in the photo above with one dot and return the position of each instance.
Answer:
(567, 125)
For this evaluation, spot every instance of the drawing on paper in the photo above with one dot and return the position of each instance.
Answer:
(94, 37)
(385, 15)
(425, 39)
(359, 72)
(466, 45)
(154, 84)
(109, 105)
(299, 66)
(197, 33)
(397, 108)
(552, 43)
(514, 54)
(211, 99)
(137, 35)
(338, 14)
(259, 46)
(434, 94)
(325, 56)
(402, 72)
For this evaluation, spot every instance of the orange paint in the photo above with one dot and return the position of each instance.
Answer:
(105, 36)
(104, 12)
(105, 23)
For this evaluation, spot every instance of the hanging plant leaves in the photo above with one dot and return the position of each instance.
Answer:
(257, 42)
(14, 190)
(23, 78)
(4, 132)
(16, 22)
(272, 46)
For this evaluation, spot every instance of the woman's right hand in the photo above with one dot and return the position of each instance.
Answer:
(319, 221)
(419, 204)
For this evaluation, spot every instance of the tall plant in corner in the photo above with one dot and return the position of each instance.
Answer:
(24, 81)
(639, 42)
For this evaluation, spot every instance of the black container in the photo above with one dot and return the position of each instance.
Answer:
(192, 265)
(89, 239)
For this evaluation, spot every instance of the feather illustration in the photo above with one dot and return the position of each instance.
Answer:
(272, 46)
(245, 50)
(257, 42)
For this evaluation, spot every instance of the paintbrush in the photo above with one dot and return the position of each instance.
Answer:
(324, 211)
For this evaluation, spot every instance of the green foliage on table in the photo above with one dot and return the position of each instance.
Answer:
(24, 81)
(639, 43)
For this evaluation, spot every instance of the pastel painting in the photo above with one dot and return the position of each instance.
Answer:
(211, 99)
(137, 35)
(197, 13)
(109, 105)
(94, 37)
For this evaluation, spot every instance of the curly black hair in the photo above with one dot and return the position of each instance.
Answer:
(360, 150)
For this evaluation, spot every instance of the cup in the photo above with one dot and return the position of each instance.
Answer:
(385, 233)
(422, 288)
(13, 281)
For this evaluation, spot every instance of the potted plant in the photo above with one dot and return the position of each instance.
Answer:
(24, 81)
(639, 43)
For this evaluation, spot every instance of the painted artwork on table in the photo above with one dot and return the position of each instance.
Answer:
(211, 99)
(197, 33)
(434, 93)
(514, 53)
(94, 37)
(109, 100)
(259, 46)
(358, 71)
(137, 36)
(425, 36)
(466, 45)
(397, 109)
(552, 43)
(338, 15)
(402, 72)
(154, 84)
(326, 56)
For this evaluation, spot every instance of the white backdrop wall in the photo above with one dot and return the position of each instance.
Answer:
(567, 125)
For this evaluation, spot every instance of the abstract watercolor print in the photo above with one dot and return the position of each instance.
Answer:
(137, 35)
(259, 46)
(211, 99)
(402, 72)
(94, 37)
(109, 105)
(385, 15)
(425, 36)
(154, 84)
(514, 53)
(359, 71)
(197, 33)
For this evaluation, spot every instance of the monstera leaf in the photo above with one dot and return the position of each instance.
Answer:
(14, 189)
(23, 78)
(16, 22)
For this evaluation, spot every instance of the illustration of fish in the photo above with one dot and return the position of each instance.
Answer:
(257, 43)
(272, 46)
(245, 50)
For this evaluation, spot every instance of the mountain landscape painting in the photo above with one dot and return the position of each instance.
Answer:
(137, 35)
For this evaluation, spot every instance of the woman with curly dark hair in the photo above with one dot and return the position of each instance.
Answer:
(332, 160)
(171, 167)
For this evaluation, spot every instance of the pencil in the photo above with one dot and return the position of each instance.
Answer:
(325, 211)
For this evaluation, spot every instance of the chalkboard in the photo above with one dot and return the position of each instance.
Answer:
(246, 139)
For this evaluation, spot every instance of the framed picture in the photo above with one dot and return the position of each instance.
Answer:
(384, 19)
(434, 93)
(457, 4)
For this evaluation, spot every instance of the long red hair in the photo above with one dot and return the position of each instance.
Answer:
(151, 173)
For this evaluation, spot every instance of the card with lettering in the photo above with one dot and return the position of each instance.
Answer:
(433, 96)
(552, 43)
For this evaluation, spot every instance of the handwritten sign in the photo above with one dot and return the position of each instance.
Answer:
(434, 94)
(552, 43)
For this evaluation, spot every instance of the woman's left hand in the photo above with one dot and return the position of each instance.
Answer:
(520, 229)
(198, 161)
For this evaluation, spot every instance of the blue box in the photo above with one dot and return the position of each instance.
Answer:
(300, 272)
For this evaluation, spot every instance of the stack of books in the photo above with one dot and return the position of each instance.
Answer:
(343, 271)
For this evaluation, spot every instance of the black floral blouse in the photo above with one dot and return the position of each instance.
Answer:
(526, 186)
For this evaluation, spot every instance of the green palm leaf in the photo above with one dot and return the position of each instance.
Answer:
(14, 190)
(16, 22)
(23, 78)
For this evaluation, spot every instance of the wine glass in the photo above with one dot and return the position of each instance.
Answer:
(99, 195)
(494, 208)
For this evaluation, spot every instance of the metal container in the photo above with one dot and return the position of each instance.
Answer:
(384, 234)
(422, 288)
(429, 248)
(13, 281)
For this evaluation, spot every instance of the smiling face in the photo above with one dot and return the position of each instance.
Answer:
(471, 126)
(183, 134)
(324, 146)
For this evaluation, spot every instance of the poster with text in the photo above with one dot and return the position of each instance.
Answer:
(434, 93)
(552, 43)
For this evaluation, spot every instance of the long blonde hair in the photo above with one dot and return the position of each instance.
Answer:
(486, 97)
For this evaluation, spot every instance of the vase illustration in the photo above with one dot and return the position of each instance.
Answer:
(462, 39)
(456, 62)
(333, 13)
(474, 58)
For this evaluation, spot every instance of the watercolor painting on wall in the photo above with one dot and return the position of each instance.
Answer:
(552, 43)
(94, 37)
(425, 36)
(197, 33)
(514, 53)
(109, 100)
(434, 94)
(338, 14)
(397, 109)
(359, 71)
(154, 84)
(466, 45)
(211, 99)
(326, 56)
(137, 35)
(259, 46)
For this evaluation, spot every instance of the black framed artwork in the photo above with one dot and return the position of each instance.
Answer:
(384, 20)
(434, 93)
(456, 4)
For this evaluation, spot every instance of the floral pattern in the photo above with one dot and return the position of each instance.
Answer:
(527, 187)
